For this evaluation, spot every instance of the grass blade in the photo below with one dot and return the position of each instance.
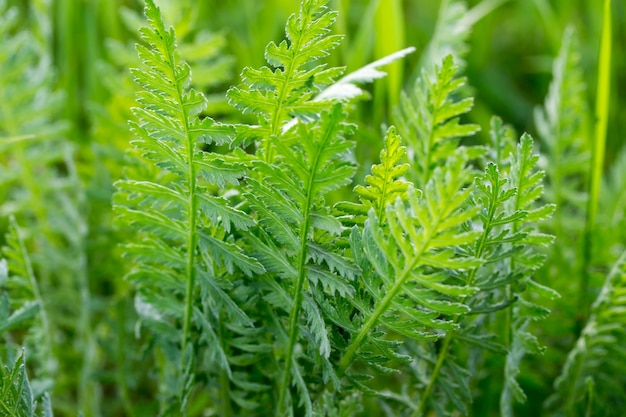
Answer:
(597, 159)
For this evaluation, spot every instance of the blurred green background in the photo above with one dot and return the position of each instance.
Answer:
(509, 65)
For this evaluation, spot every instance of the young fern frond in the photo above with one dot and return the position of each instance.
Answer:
(295, 167)
(289, 86)
(428, 120)
(593, 377)
(295, 241)
(563, 126)
(507, 215)
(184, 227)
(527, 180)
(384, 185)
(411, 293)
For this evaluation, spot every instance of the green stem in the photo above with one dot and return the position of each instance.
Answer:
(190, 264)
(597, 161)
(431, 137)
(282, 95)
(381, 308)
(192, 210)
(443, 354)
(302, 258)
(226, 410)
(346, 360)
(295, 309)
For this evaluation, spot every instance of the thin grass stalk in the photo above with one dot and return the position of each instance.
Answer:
(66, 56)
(390, 37)
(362, 43)
(597, 162)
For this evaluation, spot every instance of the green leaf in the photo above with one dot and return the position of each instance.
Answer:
(428, 119)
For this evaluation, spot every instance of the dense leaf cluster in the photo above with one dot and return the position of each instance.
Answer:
(266, 278)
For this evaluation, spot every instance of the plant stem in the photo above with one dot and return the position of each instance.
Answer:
(226, 410)
(302, 258)
(192, 210)
(295, 309)
(381, 308)
(597, 162)
(346, 360)
(443, 354)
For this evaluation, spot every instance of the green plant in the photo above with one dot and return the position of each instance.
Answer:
(263, 260)
(592, 380)
(309, 278)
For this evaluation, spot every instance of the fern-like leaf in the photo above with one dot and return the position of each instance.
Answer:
(184, 226)
(297, 231)
(289, 86)
(384, 185)
(428, 119)
(409, 274)
(527, 179)
(508, 247)
(16, 394)
(598, 356)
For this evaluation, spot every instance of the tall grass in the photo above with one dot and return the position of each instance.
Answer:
(597, 161)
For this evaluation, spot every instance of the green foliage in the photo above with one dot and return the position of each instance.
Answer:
(26, 303)
(592, 379)
(288, 87)
(384, 185)
(429, 119)
(295, 242)
(183, 228)
(527, 181)
(412, 274)
(18, 313)
(563, 126)
(294, 169)
(263, 260)
(16, 395)
(40, 183)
